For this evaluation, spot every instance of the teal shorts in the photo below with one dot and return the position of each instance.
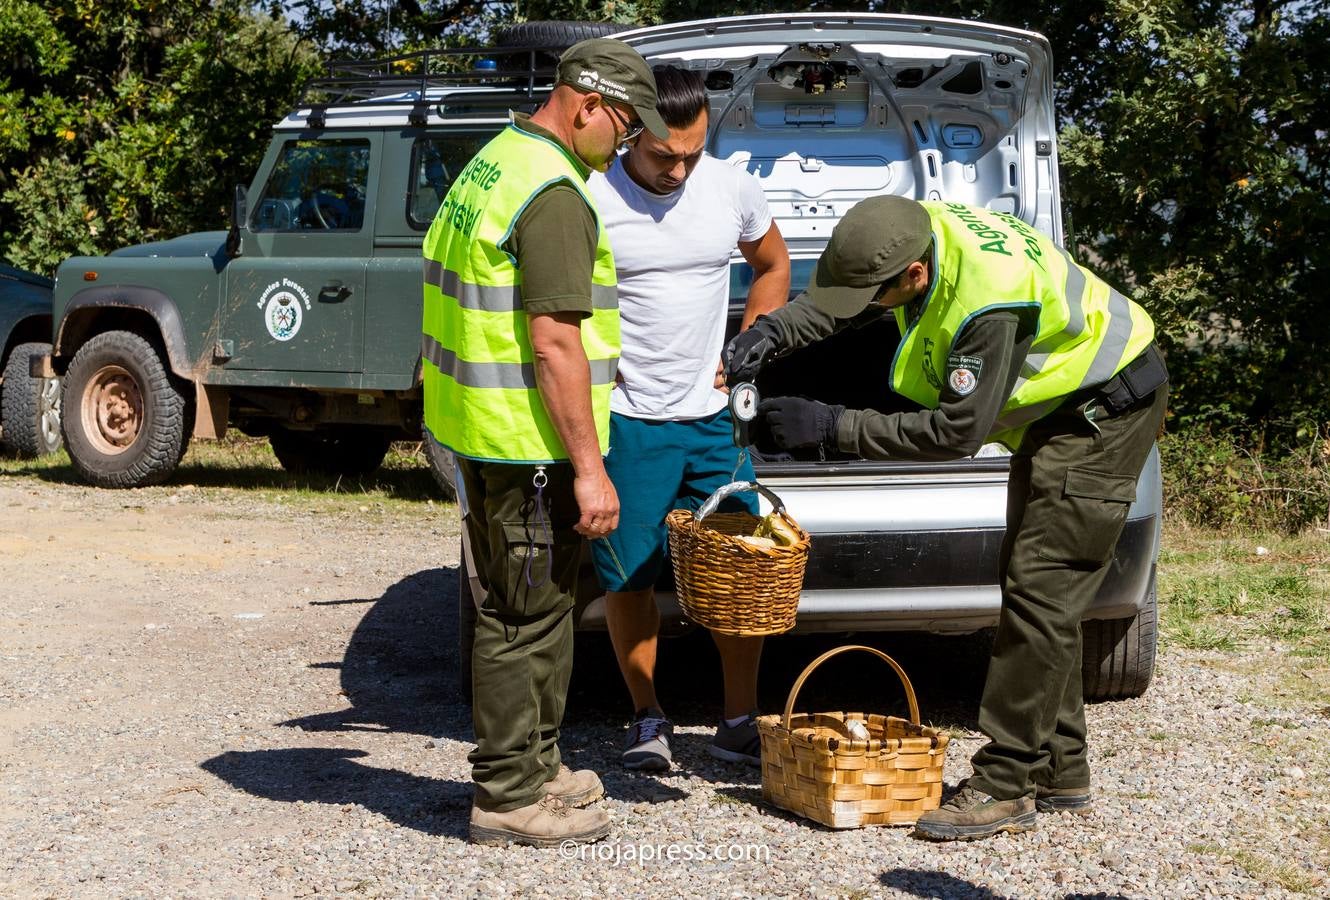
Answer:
(657, 467)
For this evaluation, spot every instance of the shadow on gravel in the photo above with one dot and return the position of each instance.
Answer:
(399, 671)
(947, 674)
(921, 883)
(330, 775)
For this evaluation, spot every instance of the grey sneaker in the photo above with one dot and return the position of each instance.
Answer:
(739, 744)
(647, 745)
(971, 814)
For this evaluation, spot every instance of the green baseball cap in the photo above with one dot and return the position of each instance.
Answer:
(616, 71)
(872, 242)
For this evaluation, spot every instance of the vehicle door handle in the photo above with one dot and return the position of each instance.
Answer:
(334, 292)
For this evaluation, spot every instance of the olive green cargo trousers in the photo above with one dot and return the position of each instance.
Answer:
(527, 556)
(1072, 481)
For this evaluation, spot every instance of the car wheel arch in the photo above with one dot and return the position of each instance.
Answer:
(27, 330)
(147, 312)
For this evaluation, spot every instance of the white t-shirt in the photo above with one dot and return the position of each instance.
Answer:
(672, 252)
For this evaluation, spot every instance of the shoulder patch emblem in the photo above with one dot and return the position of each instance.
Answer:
(963, 372)
(962, 381)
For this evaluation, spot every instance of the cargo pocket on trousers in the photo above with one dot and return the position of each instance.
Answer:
(1089, 518)
(534, 564)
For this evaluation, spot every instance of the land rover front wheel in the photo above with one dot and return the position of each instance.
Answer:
(124, 413)
(29, 407)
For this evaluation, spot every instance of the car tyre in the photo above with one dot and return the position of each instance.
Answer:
(440, 463)
(346, 451)
(1118, 655)
(29, 407)
(125, 414)
(466, 631)
(554, 35)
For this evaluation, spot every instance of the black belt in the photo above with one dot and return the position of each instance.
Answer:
(1131, 387)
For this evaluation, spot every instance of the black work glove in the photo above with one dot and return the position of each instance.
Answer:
(794, 422)
(744, 356)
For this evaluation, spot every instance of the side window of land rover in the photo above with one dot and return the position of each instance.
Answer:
(435, 161)
(316, 185)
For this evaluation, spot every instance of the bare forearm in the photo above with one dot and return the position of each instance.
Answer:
(771, 274)
(563, 377)
(769, 291)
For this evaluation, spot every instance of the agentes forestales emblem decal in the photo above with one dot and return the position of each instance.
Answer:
(281, 304)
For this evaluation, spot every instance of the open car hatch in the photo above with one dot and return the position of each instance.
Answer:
(828, 109)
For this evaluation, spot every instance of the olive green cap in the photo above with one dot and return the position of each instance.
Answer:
(874, 241)
(616, 71)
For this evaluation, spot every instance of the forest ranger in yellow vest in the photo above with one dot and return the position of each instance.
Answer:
(520, 341)
(1003, 338)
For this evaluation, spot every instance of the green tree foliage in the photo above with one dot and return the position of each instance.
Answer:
(1193, 148)
(1200, 178)
(376, 28)
(123, 121)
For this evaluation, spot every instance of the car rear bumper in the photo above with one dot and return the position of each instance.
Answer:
(935, 586)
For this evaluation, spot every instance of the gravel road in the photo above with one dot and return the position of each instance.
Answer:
(221, 692)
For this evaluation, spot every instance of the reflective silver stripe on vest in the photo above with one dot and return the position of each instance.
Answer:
(1110, 348)
(1109, 354)
(1072, 291)
(499, 299)
(500, 375)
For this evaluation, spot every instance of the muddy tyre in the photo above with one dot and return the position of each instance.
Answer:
(346, 451)
(125, 414)
(29, 407)
(1118, 655)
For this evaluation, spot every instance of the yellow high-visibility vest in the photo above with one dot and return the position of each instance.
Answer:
(985, 260)
(481, 399)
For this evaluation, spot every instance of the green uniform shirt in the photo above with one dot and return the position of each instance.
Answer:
(958, 427)
(554, 243)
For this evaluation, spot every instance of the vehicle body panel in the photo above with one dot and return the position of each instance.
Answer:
(25, 307)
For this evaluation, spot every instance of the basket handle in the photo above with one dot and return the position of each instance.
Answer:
(735, 487)
(799, 682)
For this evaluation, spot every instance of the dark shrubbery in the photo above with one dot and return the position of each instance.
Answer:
(1212, 480)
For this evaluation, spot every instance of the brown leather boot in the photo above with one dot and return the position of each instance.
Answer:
(971, 814)
(1072, 800)
(548, 822)
(575, 788)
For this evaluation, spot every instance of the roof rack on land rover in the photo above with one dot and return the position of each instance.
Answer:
(515, 75)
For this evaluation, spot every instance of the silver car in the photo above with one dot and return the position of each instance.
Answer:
(826, 109)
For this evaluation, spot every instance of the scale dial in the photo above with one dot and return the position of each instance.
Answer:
(743, 402)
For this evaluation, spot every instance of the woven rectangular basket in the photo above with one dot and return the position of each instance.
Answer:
(813, 766)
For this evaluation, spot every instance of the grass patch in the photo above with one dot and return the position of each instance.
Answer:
(1265, 870)
(1218, 592)
(1225, 592)
(241, 463)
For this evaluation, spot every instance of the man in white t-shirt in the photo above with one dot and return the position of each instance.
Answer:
(674, 217)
